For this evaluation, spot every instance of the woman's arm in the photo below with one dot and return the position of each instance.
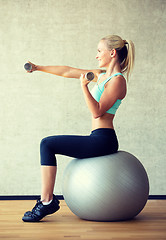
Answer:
(116, 89)
(64, 71)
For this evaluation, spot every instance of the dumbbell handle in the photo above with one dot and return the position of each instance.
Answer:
(89, 76)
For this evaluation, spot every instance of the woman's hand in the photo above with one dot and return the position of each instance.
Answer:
(34, 67)
(84, 81)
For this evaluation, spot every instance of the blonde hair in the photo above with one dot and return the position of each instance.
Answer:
(125, 50)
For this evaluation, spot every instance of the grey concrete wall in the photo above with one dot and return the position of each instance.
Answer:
(32, 106)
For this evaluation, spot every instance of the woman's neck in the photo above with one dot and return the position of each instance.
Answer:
(113, 68)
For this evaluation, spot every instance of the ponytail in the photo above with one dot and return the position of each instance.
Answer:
(128, 63)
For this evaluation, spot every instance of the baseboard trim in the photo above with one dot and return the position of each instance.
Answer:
(26, 197)
(155, 197)
(60, 197)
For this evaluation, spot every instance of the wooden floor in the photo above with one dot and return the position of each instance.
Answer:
(149, 224)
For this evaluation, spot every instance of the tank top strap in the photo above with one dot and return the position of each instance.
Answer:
(114, 75)
(100, 76)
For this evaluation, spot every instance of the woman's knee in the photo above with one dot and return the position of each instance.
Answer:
(47, 152)
(44, 143)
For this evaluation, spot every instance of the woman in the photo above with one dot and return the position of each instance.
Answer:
(116, 56)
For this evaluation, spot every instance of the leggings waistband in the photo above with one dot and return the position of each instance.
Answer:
(103, 131)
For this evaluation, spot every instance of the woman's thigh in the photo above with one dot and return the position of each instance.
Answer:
(70, 145)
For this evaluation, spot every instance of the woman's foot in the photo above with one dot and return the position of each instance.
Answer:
(40, 210)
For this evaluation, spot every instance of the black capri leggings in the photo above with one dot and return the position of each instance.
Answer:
(102, 141)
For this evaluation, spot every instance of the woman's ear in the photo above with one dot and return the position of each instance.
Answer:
(113, 53)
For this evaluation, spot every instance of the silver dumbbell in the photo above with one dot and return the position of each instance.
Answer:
(89, 76)
(28, 67)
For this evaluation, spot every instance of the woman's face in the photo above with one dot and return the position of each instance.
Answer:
(103, 55)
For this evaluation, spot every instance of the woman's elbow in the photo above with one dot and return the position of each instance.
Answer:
(97, 115)
(99, 112)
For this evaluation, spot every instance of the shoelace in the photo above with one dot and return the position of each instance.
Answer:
(36, 208)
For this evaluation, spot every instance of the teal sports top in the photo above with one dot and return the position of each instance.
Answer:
(99, 89)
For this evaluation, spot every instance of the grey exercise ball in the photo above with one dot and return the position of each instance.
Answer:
(107, 188)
